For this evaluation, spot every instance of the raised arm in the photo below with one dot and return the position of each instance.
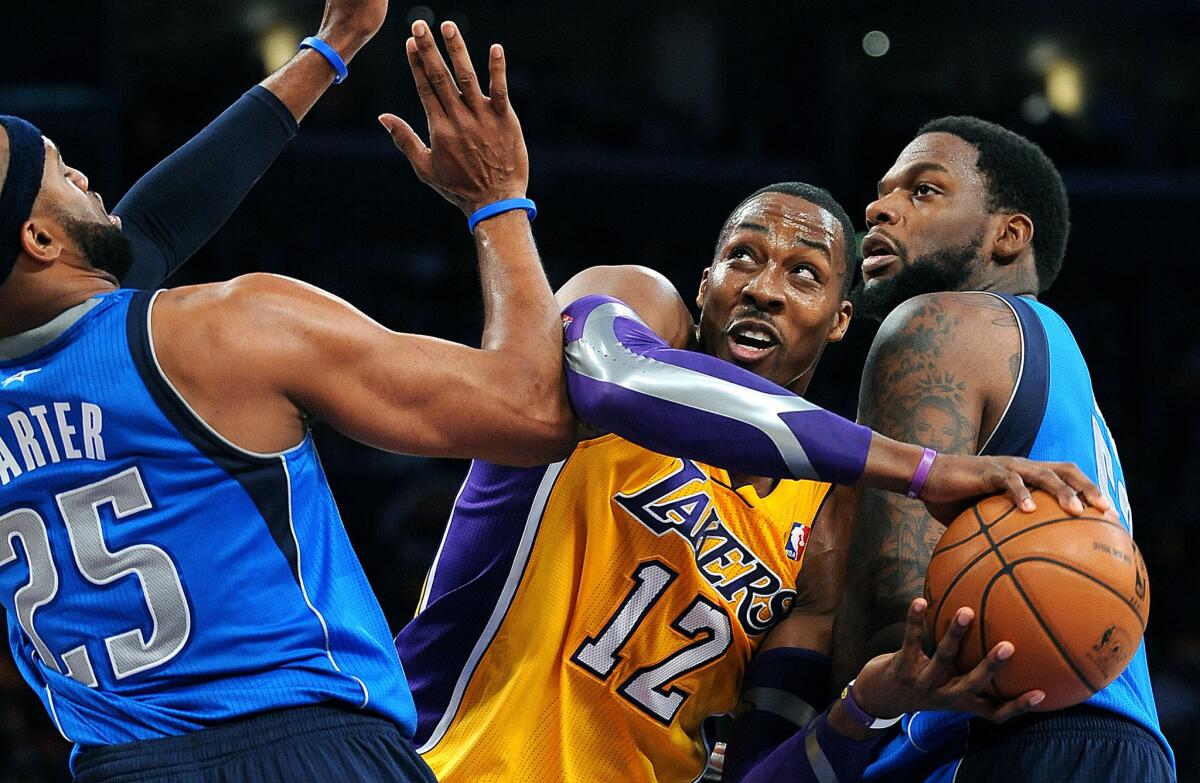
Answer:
(296, 353)
(174, 209)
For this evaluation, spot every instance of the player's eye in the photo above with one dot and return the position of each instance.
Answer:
(806, 272)
(924, 189)
(740, 253)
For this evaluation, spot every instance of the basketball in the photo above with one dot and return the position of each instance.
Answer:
(1070, 593)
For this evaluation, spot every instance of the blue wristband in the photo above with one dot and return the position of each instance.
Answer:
(328, 52)
(506, 205)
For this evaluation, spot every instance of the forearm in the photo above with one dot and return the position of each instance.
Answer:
(177, 207)
(828, 748)
(521, 319)
(623, 378)
(174, 209)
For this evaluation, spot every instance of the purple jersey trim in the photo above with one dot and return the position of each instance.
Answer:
(624, 378)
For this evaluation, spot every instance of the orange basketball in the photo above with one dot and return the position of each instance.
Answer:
(1070, 593)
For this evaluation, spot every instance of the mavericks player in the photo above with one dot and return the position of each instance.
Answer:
(179, 589)
(972, 220)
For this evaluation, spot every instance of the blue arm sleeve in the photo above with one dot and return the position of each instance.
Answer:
(175, 208)
(624, 378)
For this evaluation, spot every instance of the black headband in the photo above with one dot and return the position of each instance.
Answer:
(26, 164)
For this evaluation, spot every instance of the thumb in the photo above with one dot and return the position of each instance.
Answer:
(406, 140)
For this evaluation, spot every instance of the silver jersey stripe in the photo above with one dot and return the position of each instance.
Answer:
(599, 355)
(515, 573)
(779, 702)
(822, 769)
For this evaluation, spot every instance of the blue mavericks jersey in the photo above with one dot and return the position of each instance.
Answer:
(156, 578)
(1052, 416)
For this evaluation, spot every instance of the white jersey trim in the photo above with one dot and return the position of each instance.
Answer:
(516, 572)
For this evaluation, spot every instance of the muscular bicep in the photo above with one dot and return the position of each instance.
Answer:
(402, 392)
(931, 378)
(650, 294)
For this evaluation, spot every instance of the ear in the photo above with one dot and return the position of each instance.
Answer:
(1013, 235)
(841, 322)
(40, 240)
(703, 288)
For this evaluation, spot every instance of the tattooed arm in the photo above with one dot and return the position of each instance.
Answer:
(940, 373)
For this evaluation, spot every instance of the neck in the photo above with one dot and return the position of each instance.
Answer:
(1016, 278)
(27, 302)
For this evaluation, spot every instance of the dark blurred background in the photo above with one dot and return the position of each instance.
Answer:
(647, 123)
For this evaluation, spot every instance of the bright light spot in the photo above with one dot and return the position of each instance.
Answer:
(1064, 87)
(1035, 109)
(277, 45)
(1042, 55)
(420, 12)
(876, 43)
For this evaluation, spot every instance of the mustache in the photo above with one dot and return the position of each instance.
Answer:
(750, 311)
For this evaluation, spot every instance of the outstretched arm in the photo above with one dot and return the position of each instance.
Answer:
(622, 377)
(293, 352)
(175, 208)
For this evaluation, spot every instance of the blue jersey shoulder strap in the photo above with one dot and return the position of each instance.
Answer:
(1018, 428)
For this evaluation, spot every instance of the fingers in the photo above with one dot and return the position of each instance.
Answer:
(942, 665)
(1082, 485)
(429, 99)
(1045, 478)
(498, 76)
(1014, 486)
(1018, 706)
(436, 72)
(408, 142)
(914, 629)
(464, 71)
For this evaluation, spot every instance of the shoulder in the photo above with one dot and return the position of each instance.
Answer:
(651, 295)
(963, 328)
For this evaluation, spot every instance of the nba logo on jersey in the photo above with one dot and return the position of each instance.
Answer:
(796, 541)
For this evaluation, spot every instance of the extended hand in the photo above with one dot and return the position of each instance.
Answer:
(908, 680)
(956, 481)
(477, 152)
(347, 25)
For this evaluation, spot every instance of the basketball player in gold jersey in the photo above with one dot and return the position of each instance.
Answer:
(582, 620)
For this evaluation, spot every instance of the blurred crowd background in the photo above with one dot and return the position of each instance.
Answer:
(647, 123)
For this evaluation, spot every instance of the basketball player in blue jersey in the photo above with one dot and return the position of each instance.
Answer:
(179, 589)
(970, 226)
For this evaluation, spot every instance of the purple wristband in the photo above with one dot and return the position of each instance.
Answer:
(922, 475)
(859, 715)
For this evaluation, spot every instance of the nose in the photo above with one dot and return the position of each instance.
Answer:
(79, 178)
(765, 289)
(882, 210)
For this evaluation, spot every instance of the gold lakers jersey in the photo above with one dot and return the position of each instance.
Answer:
(582, 620)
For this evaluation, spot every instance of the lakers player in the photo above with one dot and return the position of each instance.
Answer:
(584, 619)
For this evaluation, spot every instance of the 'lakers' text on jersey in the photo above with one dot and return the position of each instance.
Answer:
(583, 620)
(157, 579)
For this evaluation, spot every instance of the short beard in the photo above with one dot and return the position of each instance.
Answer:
(943, 270)
(104, 246)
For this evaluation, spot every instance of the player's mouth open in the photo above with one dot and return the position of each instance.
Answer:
(879, 255)
(750, 341)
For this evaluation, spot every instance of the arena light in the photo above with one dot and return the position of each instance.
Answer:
(1064, 87)
(277, 45)
(876, 43)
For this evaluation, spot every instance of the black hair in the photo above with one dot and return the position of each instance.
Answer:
(1020, 178)
(821, 198)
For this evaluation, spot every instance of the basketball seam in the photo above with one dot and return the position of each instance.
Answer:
(1007, 569)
